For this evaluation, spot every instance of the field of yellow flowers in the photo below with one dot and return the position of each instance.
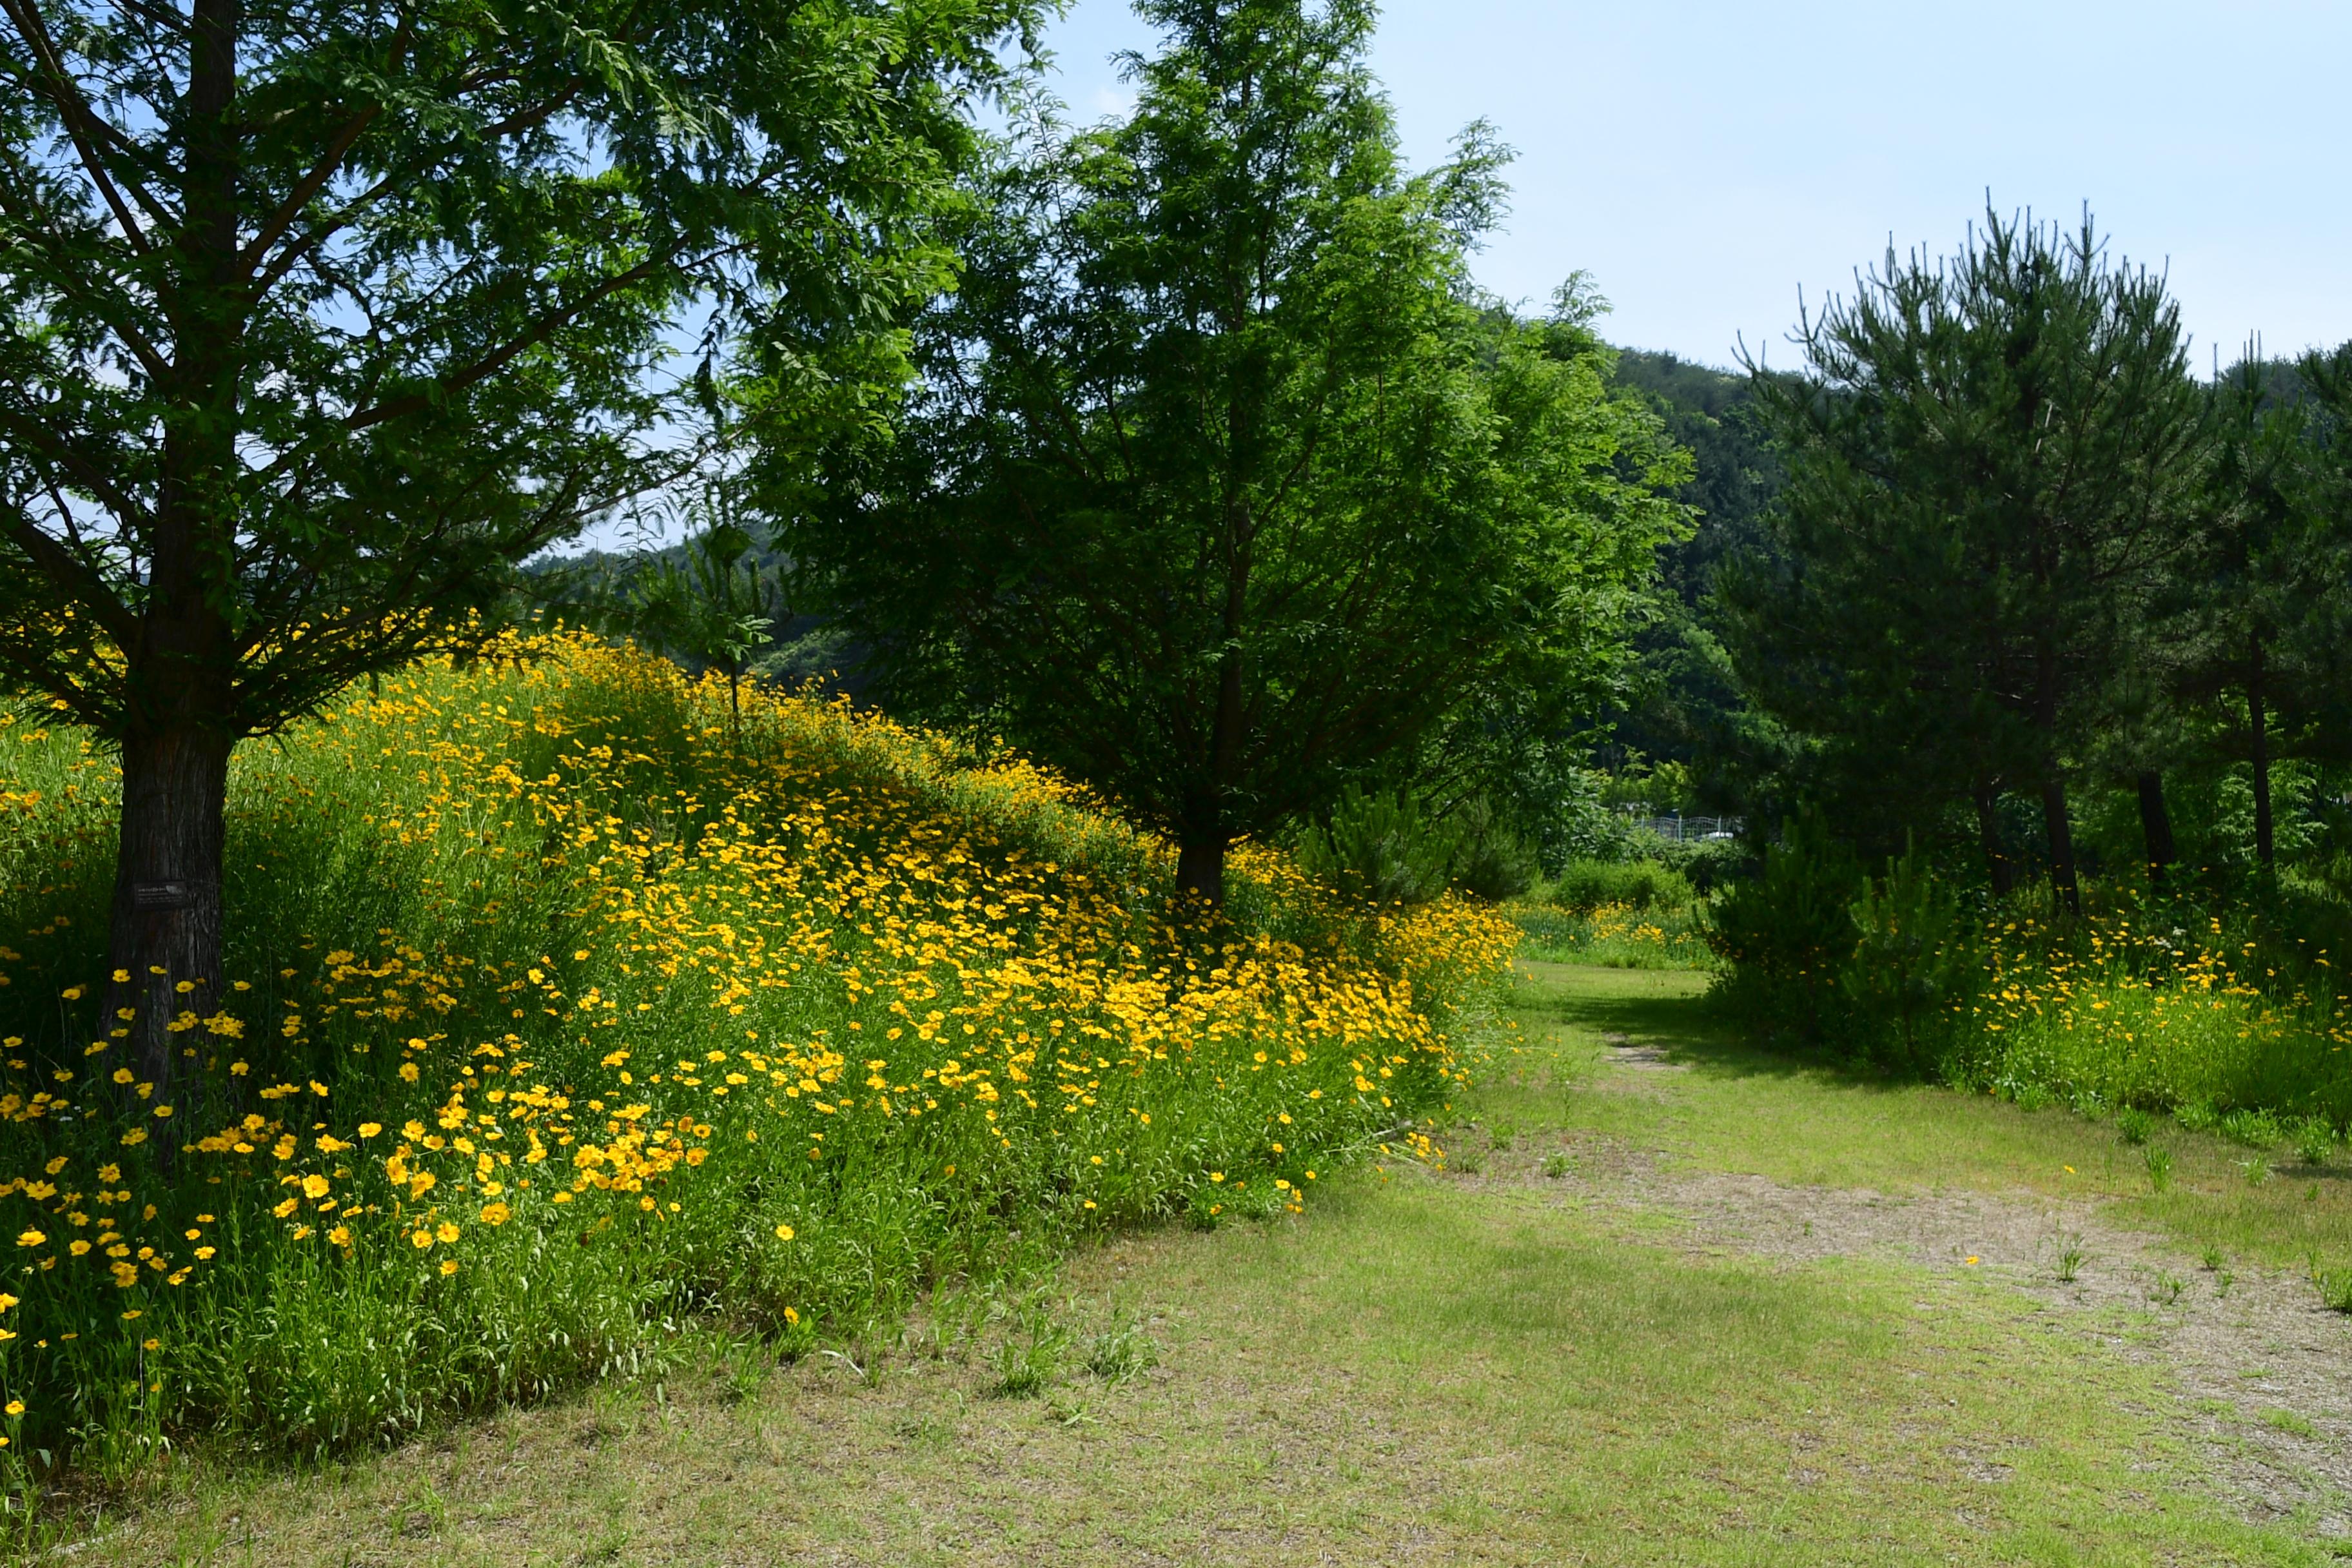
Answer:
(2164, 1009)
(564, 1008)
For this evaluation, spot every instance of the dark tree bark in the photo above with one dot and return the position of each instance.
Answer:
(1200, 870)
(2061, 846)
(165, 928)
(2259, 754)
(2155, 825)
(1997, 861)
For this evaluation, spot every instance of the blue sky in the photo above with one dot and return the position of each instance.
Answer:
(1703, 160)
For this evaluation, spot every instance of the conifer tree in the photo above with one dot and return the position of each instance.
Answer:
(1992, 461)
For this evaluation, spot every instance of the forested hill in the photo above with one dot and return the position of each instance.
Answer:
(1685, 708)
(1706, 410)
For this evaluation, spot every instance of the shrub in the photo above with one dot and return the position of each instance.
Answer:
(1382, 845)
(1909, 964)
(1789, 933)
(1396, 849)
(1587, 885)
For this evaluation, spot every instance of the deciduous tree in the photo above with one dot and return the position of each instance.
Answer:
(319, 315)
(1223, 489)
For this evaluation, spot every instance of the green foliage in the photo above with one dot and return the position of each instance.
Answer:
(1990, 461)
(1910, 964)
(1789, 935)
(2315, 1140)
(1384, 846)
(1393, 847)
(1587, 885)
(318, 320)
(1222, 488)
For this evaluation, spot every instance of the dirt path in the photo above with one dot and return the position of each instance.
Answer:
(2259, 1367)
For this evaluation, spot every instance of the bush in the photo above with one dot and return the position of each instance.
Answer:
(1910, 961)
(1789, 933)
(1395, 848)
(1587, 885)
(1380, 845)
(1491, 862)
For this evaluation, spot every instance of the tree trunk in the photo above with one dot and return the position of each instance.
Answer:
(2155, 825)
(2061, 846)
(2258, 723)
(1997, 861)
(1200, 870)
(165, 929)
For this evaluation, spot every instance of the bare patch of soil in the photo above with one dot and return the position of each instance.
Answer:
(2262, 1369)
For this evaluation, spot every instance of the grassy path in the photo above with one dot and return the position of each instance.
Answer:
(1673, 1302)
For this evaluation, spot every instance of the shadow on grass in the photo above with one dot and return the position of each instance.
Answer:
(1673, 1011)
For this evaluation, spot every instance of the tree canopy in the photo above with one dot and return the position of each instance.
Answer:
(1990, 467)
(1222, 487)
(318, 316)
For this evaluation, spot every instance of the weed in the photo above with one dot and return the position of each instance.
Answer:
(2222, 1281)
(2335, 1288)
(1558, 1166)
(1502, 1135)
(2315, 1140)
(2134, 1125)
(2257, 1170)
(2070, 1259)
(2253, 1128)
(1029, 1359)
(2211, 1256)
(1121, 1351)
(2167, 1289)
(2289, 1421)
(2197, 1116)
(2159, 1167)
(1468, 1160)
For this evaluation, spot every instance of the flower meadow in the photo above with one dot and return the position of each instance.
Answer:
(1615, 936)
(564, 1008)
(2153, 1008)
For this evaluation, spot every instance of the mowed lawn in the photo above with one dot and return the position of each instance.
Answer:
(1497, 1366)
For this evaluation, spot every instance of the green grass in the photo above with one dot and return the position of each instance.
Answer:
(1800, 1119)
(1433, 1369)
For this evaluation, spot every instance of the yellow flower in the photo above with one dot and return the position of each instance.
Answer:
(31, 1238)
(420, 1238)
(496, 1214)
(15, 1407)
(449, 1266)
(783, 1233)
(314, 1186)
(445, 1232)
(370, 1128)
(341, 1235)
